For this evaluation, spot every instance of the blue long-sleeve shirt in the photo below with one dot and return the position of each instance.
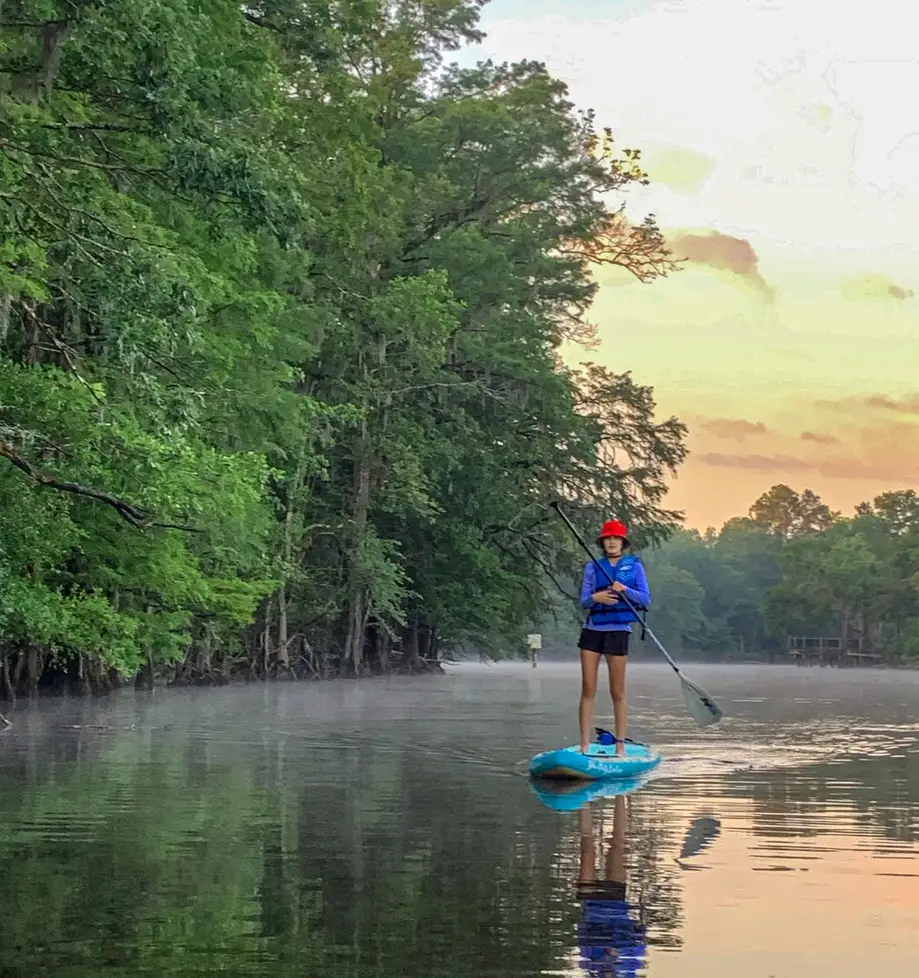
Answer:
(640, 595)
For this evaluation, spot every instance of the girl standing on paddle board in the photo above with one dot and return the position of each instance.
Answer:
(608, 626)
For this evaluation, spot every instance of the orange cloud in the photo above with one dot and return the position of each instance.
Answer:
(881, 453)
(725, 253)
(819, 438)
(757, 463)
(908, 404)
(905, 405)
(854, 448)
(733, 429)
(889, 470)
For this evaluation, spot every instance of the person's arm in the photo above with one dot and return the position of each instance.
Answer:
(588, 586)
(640, 595)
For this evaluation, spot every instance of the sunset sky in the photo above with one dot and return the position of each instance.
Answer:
(788, 130)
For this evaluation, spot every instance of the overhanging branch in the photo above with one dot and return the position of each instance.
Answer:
(127, 511)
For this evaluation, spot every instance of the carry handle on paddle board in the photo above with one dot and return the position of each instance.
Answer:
(600, 732)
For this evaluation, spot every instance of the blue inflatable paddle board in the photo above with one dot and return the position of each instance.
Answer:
(569, 795)
(599, 763)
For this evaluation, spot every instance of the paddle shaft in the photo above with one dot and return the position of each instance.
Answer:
(621, 596)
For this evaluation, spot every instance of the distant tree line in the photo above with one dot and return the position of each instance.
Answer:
(790, 567)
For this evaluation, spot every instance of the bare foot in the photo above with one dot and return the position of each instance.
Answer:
(585, 748)
(620, 749)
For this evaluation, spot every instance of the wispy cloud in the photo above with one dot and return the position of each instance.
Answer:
(880, 453)
(883, 403)
(679, 168)
(819, 438)
(903, 405)
(874, 288)
(756, 463)
(733, 429)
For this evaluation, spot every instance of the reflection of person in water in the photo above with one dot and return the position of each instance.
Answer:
(612, 943)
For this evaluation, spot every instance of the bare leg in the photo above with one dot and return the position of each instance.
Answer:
(588, 865)
(590, 665)
(615, 857)
(616, 664)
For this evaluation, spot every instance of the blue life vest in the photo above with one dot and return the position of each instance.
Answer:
(620, 613)
(610, 940)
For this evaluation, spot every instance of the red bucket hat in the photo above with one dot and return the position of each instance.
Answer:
(613, 528)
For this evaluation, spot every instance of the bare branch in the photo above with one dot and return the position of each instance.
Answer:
(547, 570)
(78, 161)
(128, 512)
(88, 127)
(639, 249)
(261, 22)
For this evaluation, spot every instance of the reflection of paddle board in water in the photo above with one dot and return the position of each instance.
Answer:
(611, 942)
(569, 796)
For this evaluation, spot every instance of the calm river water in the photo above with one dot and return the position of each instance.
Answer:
(386, 829)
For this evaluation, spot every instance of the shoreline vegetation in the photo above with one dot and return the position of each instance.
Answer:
(283, 295)
(282, 300)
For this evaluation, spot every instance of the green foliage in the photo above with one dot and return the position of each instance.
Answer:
(281, 305)
(789, 514)
(742, 591)
(861, 577)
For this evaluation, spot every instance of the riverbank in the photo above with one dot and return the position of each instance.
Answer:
(88, 683)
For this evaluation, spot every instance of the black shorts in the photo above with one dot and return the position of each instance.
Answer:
(612, 890)
(606, 643)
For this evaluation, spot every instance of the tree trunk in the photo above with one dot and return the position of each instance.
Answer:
(283, 651)
(266, 637)
(6, 304)
(6, 686)
(354, 644)
(410, 647)
(145, 677)
(384, 645)
(283, 636)
(34, 669)
(357, 598)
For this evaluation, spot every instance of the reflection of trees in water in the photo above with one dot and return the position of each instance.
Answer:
(100, 862)
(382, 866)
(386, 870)
(881, 792)
(191, 856)
(436, 879)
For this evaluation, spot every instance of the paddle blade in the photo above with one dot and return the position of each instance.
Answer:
(702, 708)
